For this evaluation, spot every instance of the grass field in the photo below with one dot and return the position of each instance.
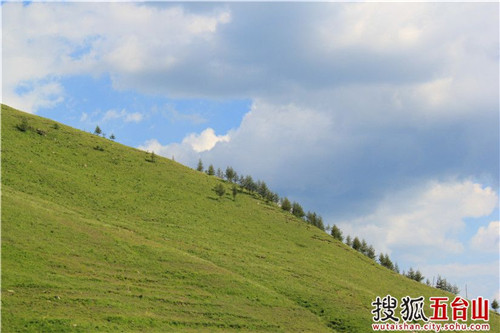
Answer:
(96, 237)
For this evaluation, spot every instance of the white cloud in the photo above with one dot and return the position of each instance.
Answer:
(54, 40)
(124, 115)
(188, 151)
(429, 218)
(204, 141)
(153, 145)
(487, 239)
(481, 279)
(84, 117)
(272, 137)
(36, 95)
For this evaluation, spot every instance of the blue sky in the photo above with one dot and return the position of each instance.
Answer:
(381, 117)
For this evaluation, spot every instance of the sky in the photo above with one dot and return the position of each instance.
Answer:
(381, 117)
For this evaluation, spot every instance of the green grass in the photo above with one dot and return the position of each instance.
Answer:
(105, 240)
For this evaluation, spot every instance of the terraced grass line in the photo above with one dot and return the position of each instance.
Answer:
(105, 240)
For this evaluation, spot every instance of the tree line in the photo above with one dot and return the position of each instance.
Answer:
(384, 260)
(260, 187)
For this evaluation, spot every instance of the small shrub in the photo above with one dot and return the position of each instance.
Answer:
(235, 192)
(23, 126)
(55, 126)
(151, 158)
(99, 148)
(220, 190)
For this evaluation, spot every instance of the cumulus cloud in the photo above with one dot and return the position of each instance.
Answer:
(61, 39)
(430, 218)
(204, 141)
(487, 238)
(188, 150)
(432, 59)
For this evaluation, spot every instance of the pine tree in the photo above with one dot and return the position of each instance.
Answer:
(235, 192)
(249, 184)
(418, 276)
(348, 241)
(356, 244)
(230, 174)
(494, 305)
(441, 283)
(297, 210)
(112, 137)
(364, 247)
(200, 166)
(286, 205)
(97, 130)
(385, 261)
(219, 190)
(262, 189)
(220, 174)
(411, 274)
(211, 170)
(320, 224)
(337, 233)
(370, 252)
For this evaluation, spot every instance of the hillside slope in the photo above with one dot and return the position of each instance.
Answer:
(95, 237)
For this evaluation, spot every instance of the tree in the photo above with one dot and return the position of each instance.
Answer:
(200, 166)
(286, 205)
(219, 190)
(348, 241)
(418, 276)
(356, 244)
(441, 283)
(297, 210)
(262, 189)
(315, 220)
(249, 184)
(97, 130)
(112, 137)
(230, 174)
(364, 247)
(153, 157)
(319, 223)
(494, 305)
(235, 192)
(370, 252)
(211, 170)
(273, 197)
(220, 174)
(337, 233)
(385, 261)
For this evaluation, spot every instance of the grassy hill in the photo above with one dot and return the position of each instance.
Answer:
(95, 237)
